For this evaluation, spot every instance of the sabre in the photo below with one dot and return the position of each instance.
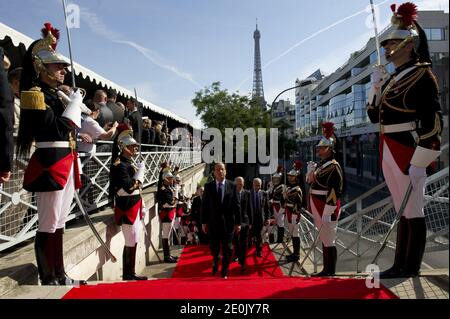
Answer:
(396, 220)
(70, 46)
(140, 142)
(377, 41)
(77, 197)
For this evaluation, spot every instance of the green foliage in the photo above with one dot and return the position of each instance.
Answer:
(220, 109)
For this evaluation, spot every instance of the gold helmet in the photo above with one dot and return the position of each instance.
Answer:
(406, 28)
(125, 139)
(44, 51)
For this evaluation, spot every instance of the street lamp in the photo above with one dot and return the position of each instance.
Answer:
(302, 83)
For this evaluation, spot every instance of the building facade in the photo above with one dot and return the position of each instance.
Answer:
(284, 110)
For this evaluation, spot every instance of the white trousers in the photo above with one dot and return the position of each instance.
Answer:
(398, 182)
(166, 229)
(294, 227)
(54, 207)
(279, 216)
(328, 232)
(131, 232)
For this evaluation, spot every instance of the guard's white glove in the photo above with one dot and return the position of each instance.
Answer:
(66, 100)
(379, 76)
(73, 108)
(139, 175)
(416, 175)
(310, 171)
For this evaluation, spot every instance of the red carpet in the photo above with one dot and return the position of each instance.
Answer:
(192, 279)
(196, 261)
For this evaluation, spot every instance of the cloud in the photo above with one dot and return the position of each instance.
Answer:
(99, 28)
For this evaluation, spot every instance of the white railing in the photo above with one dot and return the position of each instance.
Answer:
(18, 214)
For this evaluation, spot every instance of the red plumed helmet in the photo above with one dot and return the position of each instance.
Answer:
(406, 14)
(163, 165)
(279, 169)
(328, 128)
(298, 165)
(48, 28)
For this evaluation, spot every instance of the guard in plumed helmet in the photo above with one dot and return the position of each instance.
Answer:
(293, 202)
(406, 105)
(276, 206)
(167, 212)
(129, 206)
(329, 132)
(53, 169)
(325, 180)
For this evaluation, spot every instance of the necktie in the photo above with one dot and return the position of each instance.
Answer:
(219, 192)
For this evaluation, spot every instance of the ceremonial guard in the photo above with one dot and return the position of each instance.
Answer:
(167, 212)
(53, 169)
(326, 182)
(292, 204)
(129, 206)
(406, 105)
(276, 203)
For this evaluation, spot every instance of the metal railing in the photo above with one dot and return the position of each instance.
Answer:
(18, 211)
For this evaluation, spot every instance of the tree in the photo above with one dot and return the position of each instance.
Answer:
(220, 109)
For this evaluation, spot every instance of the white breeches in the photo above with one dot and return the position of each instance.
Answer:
(398, 182)
(328, 232)
(54, 207)
(166, 229)
(294, 227)
(131, 233)
(279, 217)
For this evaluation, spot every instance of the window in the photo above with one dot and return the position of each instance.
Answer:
(434, 34)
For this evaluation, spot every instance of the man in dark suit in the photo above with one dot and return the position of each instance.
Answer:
(240, 240)
(221, 216)
(260, 212)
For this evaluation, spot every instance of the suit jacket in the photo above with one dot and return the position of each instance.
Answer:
(246, 208)
(259, 214)
(6, 120)
(221, 217)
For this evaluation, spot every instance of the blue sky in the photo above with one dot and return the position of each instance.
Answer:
(169, 49)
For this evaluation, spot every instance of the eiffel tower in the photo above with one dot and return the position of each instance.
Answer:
(258, 89)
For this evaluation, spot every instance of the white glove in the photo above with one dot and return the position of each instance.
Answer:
(326, 218)
(379, 75)
(139, 176)
(73, 108)
(310, 170)
(416, 175)
(66, 100)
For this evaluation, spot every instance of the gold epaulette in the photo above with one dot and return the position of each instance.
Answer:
(32, 99)
(117, 162)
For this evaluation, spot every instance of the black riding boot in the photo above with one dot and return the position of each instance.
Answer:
(400, 251)
(416, 246)
(271, 238)
(333, 260)
(133, 275)
(166, 250)
(326, 262)
(126, 263)
(45, 257)
(296, 250)
(60, 273)
(280, 235)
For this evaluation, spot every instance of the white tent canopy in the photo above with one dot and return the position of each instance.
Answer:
(18, 38)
